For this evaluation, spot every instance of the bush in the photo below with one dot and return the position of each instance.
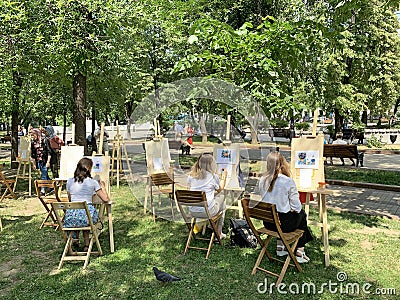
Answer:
(279, 123)
(374, 142)
(302, 126)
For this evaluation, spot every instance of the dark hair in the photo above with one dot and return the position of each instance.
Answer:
(82, 170)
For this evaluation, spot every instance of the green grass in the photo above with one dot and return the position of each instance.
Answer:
(362, 246)
(362, 175)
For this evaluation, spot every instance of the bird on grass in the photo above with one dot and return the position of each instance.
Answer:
(164, 277)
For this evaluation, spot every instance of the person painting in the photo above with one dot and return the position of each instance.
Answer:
(82, 188)
(277, 187)
(40, 153)
(203, 178)
(54, 143)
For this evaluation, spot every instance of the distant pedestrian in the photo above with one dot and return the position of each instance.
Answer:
(40, 153)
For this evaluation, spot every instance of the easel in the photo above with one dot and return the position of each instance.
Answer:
(118, 147)
(231, 165)
(307, 165)
(24, 160)
(157, 159)
(101, 171)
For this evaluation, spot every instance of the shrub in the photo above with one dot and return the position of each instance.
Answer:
(302, 126)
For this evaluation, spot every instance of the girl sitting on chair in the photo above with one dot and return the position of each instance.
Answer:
(276, 187)
(82, 188)
(203, 178)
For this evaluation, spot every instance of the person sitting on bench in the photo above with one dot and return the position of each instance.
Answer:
(339, 141)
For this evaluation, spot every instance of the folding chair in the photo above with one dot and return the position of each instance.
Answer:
(186, 199)
(9, 185)
(60, 208)
(162, 183)
(266, 212)
(47, 200)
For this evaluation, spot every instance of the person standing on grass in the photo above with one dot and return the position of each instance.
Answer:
(82, 188)
(40, 153)
(54, 143)
(203, 178)
(277, 187)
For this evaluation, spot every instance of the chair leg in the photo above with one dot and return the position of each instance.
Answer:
(259, 259)
(67, 246)
(153, 211)
(189, 236)
(210, 244)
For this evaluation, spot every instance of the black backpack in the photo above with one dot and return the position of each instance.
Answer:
(241, 235)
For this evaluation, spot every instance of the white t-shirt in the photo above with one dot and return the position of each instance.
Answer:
(82, 191)
(339, 142)
(208, 185)
(284, 194)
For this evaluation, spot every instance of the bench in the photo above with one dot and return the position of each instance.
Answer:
(344, 151)
(6, 138)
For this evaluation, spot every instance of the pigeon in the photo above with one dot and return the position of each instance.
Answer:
(164, 277)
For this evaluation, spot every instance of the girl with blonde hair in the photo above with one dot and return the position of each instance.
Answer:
(277, 187)
(203, 178)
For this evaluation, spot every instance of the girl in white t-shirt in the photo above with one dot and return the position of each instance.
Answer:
(82, 188)
(203, 178)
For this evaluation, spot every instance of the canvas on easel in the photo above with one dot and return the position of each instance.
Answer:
(227, 158)
(24, 160)
(101, 169)
(70, 156)
(158, 157)
(307, 162)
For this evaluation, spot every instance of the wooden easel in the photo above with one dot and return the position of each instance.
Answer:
(24, 160)
(157, 159)
(232, 186)
(118, 147)
(101, 171)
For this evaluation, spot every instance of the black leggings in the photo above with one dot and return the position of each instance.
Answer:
(291, 221)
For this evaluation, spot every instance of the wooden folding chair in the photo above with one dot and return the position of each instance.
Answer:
(60, 208)
(162, 183)
(47, 200)
(266, 212)
(9, 186)
(186, 199)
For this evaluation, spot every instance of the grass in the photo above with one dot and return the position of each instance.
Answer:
(361, 246)
(362, 175)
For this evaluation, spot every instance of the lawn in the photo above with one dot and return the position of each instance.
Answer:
(363, 247)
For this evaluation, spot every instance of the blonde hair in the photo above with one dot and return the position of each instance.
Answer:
(204, 164)
(276, 164)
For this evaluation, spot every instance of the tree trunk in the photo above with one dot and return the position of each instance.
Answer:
(338, 121)
(364, 118)
(79, 109)
(17, 85)
(128, 113)
(203, 129)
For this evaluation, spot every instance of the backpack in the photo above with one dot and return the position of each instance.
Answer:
(241, 235)
(56, 143)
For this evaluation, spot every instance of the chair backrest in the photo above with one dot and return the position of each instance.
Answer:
(45, 184)
(162, 178)
(265, 212)
(64, 206)
(2, 178)
(186, 198)
(191, 198)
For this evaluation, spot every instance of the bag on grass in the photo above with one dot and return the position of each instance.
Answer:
(241, 234)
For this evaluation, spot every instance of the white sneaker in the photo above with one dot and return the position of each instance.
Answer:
(281, 251)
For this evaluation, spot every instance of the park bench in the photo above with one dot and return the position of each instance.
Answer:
(6, 138)
(344, 151)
